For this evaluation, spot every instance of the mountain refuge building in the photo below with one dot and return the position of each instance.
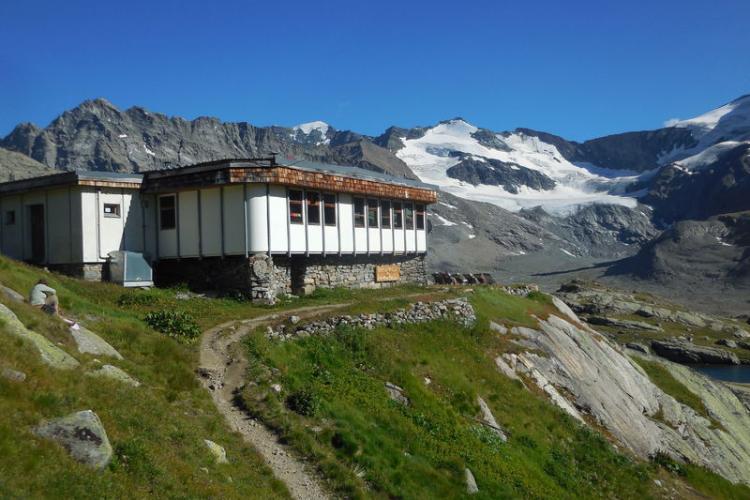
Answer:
(260, 227)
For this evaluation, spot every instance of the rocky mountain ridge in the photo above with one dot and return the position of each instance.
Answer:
(529, 201)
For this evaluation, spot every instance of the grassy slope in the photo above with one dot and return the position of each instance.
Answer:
(370, 446)
(365, 444)
(157, 430)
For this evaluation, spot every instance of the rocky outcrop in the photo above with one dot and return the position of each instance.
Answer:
(82, 435)
(114, 373)
(90, 343)
(685, 352)
(623, 323)
(593, 380)
(49, 353)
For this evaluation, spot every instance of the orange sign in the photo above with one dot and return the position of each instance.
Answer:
(391, 272)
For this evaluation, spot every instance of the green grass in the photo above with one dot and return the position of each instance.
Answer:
(364, 444)
(369, 446)
(156, 430)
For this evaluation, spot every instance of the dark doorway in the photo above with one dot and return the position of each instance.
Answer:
(36, 219)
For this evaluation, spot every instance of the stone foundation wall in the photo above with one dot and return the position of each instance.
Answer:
(98, 271)
(263, 278)
(309, 273)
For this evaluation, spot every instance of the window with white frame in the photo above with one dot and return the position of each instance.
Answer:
(112, 210)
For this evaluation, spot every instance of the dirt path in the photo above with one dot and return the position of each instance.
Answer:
(222, 368)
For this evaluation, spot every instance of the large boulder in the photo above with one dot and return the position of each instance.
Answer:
(82, 435)
(685, 352)
(90, 343)
(48, 352)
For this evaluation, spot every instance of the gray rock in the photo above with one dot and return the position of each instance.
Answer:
(11, 294)
(727, 343)
(471, 483)
(13, 375)
(488, 419)
(623, 323)
(740, 333)
(82, 435)
(685, 352)
(636, 346)
(293, 319)
(114, 373)
(498, 328)
(597, 379)
(89, 342)
(396, 393)
(217, 451)
(49, 353)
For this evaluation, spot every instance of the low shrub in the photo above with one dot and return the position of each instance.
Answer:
(178, 325)
(303, 402)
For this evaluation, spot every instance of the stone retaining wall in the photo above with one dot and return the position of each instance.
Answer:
(455, 309)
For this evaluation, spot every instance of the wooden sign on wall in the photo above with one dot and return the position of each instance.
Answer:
(386, 273)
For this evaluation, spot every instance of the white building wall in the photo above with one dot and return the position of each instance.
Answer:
(345, 221)
(234, 223)
(279, 210)
(58, 217)
(258, 217)
(188, 224)
(211, 222)
(12, 234)
(150, 229)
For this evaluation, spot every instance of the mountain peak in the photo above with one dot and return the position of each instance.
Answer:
(309, 127)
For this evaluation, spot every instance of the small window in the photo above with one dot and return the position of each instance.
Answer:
(420, 216)
(409, 216)
(167, 212)
(372, 213)
(112, 210)
(359, 212)
(329, 209)
(313, 208)
(10, 218)
(385, 214)
(398, 216)
(295, 207)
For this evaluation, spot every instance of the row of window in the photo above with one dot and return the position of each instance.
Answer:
(368, 212)
(322, 208)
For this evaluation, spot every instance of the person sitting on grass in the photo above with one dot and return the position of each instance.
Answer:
(44, 297)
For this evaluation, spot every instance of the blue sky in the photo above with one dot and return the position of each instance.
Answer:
(580, 69)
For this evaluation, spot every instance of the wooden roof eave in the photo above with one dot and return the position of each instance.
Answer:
(290, 177)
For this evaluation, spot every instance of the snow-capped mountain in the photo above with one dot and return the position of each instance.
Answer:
(316, 133)
(515, 203)
(512, 170)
